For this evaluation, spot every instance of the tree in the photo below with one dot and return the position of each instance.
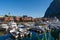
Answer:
(6, 15)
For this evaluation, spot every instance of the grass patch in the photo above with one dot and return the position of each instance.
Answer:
(2, 33)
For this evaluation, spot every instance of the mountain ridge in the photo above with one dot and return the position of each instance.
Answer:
(53, 10)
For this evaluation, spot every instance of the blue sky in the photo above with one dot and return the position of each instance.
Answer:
(34, 8)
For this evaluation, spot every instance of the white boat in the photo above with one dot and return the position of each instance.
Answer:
(4, 26)
(13, 28)
(14, 33)
(20, 26)
(12, 24)
(17, 30)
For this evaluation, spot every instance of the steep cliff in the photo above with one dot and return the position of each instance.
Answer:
(53, 10)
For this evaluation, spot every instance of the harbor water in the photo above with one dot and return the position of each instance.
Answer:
(34, 36)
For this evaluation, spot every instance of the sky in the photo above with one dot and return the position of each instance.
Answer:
(33, 8)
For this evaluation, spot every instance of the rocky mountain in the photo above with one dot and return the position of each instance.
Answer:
(53, 10)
